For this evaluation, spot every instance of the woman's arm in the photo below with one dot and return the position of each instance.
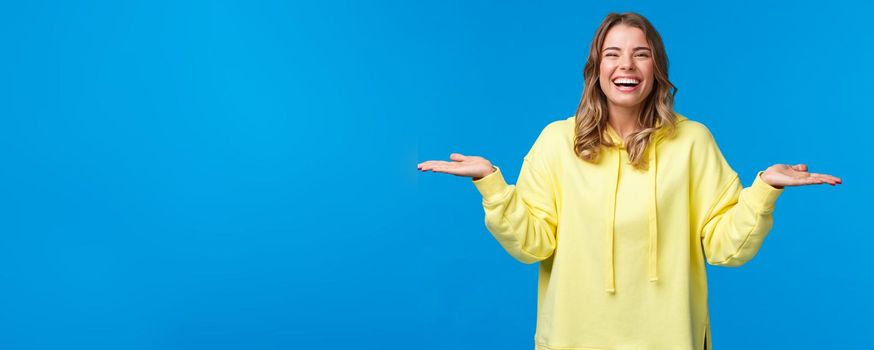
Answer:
(739, 219)
(738, 222)
(523, 218)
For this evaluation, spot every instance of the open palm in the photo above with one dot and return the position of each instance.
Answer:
(461, 165)
(780, 175)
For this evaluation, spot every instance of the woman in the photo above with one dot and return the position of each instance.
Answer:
(623, 202)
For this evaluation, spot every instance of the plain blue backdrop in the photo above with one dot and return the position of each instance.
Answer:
(241, 175)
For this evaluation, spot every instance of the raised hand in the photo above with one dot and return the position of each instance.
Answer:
(780, 175)
(461, 165)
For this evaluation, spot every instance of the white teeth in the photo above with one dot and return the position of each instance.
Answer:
(626, 81)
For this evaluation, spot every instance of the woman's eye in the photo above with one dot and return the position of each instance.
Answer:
(641, 55)
(611, 55)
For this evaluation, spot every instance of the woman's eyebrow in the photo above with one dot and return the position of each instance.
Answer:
(635, 49)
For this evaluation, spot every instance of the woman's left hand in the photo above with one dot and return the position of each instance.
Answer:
(779, 175)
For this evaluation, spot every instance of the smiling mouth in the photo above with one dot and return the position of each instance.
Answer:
(626, 84)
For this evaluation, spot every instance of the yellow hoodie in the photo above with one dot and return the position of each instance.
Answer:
(622, 252)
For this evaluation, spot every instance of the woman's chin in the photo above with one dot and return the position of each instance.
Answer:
(626, 102)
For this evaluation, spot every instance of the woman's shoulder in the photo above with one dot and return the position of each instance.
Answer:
(561, 126)
(691, 130)
(555, 138)
(562, 131)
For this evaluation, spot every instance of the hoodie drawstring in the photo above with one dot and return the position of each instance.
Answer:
(652, 267)
(653, 218)
(611, 224)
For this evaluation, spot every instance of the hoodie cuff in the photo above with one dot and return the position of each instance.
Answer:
(763, 195)
(492, 185)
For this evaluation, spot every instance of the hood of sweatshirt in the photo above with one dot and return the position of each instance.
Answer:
(613, 158)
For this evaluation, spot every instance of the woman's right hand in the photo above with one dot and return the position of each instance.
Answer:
(461, 165)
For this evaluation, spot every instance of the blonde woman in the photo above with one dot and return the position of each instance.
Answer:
(623, 203)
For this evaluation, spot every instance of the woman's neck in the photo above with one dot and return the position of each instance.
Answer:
(623, 119)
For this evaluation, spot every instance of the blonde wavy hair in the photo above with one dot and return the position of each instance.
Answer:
(592, 113)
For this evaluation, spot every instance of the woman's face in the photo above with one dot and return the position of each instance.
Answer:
(626, 67)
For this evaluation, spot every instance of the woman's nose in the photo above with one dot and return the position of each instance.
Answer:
(626, 63)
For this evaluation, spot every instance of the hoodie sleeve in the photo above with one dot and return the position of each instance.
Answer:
(523, 217)
(737, 219)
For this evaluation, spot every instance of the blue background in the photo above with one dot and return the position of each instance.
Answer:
(240, 175)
